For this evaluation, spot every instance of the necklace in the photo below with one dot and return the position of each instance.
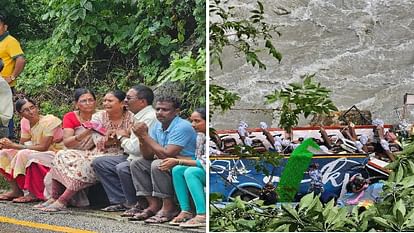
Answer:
(116, 124)
(81, 119)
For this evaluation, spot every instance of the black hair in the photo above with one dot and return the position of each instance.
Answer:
(144, 92)
(170, 99)
(21, 102)
(1, 64)
(81, 91)
(202, 112)
(120, 95)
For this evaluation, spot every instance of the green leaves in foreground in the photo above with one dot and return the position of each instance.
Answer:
(311, 215)
(305, 98)
(399, 220)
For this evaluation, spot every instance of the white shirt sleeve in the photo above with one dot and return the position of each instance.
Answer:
(131, 145)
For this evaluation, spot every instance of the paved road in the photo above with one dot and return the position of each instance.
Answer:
(18, 218)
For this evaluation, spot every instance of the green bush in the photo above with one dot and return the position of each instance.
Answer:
(3, 183)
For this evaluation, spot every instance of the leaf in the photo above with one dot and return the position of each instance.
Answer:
(411, 165)
(180, 37)
(399, 207)
(75, 49)
(260, 6)
(239, 203)
(45, 16)
(88, 6)
(306, 201)
(282, 228)
(216, 196)
(399, 175)
(165, 41)
(247, 223)
(408, 181)
(82, 14)
(328, 208)
(382, 222)
(292, 212)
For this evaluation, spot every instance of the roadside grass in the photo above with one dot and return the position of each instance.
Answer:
(3, 184)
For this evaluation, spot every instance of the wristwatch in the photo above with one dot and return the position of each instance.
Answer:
(119, 137)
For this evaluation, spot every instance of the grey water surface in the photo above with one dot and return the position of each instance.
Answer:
(362, 50)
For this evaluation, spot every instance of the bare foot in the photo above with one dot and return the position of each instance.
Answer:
(10, 195)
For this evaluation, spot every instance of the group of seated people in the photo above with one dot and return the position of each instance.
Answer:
(146, 158)
(346, 140)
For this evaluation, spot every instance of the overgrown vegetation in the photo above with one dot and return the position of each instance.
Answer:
(106, 45)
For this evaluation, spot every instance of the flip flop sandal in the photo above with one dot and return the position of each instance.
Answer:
(114, 208)
(194, 222)
(145, 214)
(161, 218)
(44, 204)
(131, 212)
(25, 199)
(54, 209)
(180, 219)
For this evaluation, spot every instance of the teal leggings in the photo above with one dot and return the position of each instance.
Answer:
(190, 180)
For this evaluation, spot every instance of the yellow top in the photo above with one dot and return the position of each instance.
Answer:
(9, 50)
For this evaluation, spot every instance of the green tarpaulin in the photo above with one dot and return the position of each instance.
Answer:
(293, 172)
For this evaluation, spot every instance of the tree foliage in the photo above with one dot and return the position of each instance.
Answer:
(189, 73)
(247, 36)
(243, 35)
(307, 98)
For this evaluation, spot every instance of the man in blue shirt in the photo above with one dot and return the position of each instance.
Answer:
(171, 137)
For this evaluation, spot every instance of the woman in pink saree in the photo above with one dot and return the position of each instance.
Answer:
(76, 137)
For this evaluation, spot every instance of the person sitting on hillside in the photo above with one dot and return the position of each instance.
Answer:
(75, 136)
(171, 138)
(26, 163)
(114, 171)
(189, 177)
